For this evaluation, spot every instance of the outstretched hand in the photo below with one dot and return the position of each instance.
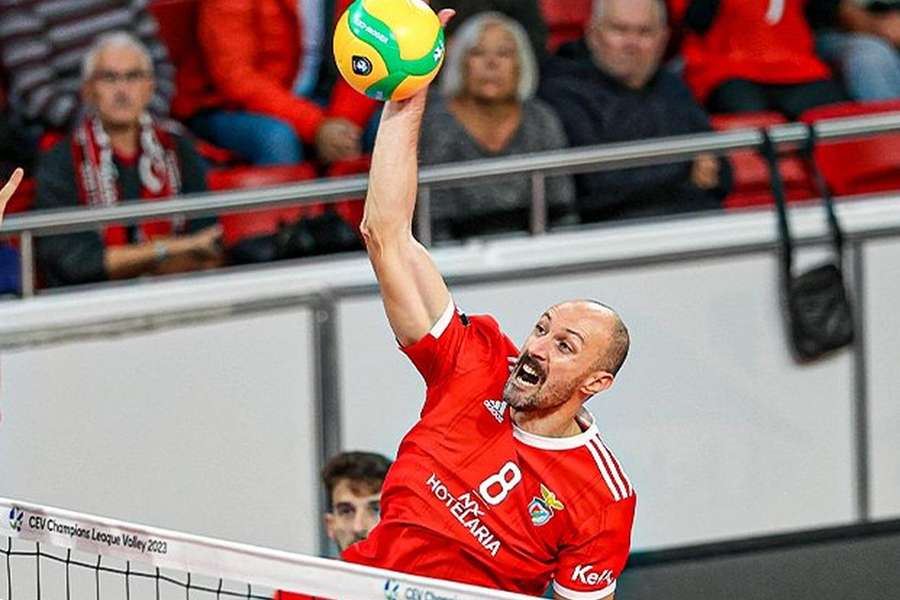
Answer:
(415, 104)
(9, 189)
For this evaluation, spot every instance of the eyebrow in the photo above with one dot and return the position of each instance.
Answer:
(576, 334)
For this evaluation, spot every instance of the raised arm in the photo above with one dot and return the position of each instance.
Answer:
(9, 189)
(413, 291)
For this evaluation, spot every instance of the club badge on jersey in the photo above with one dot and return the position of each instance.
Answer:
(542, 509)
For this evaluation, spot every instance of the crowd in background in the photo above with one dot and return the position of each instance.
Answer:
(108, 107)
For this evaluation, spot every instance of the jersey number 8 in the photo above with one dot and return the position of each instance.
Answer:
(506, 479)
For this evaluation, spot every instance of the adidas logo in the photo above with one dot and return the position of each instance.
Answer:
(496, 408)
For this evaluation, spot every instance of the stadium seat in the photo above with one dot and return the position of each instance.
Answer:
(752, 186)
(565, 20)
(23, 199)
(238, 226)
(859, 166)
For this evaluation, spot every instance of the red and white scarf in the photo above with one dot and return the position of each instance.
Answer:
(97, 175)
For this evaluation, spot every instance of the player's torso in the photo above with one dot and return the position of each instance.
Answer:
(466, 481)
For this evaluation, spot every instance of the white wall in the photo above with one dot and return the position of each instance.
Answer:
(205, 429)
(882, 279)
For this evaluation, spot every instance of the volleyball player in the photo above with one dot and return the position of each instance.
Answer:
(504, 481)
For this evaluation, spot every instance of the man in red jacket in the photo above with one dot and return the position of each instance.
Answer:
(251, 88)
(754, 56)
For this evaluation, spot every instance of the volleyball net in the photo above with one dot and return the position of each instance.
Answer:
(48, 554)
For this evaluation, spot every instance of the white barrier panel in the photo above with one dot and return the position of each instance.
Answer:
(722, 435)
(883, 355)
(208, 429)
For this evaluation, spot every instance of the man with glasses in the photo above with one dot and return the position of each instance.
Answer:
(117, 152)
(43, 44)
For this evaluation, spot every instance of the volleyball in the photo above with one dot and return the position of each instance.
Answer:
(388, 49)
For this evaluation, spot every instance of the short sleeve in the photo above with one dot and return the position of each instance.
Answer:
(456, 345)
(588, 571)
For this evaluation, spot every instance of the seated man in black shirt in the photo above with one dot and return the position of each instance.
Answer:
(609, 87)
(119, 152)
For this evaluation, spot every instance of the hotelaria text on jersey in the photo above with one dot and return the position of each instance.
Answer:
(465, 509)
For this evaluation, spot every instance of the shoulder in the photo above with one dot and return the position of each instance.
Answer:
(489, 331)
(672, 85)
(538, 110)
(58, 159)
(597, 469)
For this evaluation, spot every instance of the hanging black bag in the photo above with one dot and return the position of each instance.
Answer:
(818, 309)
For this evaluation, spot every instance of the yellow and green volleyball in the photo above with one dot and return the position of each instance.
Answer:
(388, 49)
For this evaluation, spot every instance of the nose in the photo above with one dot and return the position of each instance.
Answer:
(362, 522)
(539, 348)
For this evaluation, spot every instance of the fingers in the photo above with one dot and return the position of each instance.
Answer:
(445, 15)
(10, 188)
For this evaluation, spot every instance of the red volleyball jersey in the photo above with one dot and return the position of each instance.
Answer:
(767, 42)
(473, 498)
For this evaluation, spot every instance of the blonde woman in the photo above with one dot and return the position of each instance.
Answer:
(486, 108)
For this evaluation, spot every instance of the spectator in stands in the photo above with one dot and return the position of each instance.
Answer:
(251, 88)
(860, 38)
(119, 152)
(610, 88)
(526, 12)
(755, 56)
(486, 108)
(43, 43)
(352, 483)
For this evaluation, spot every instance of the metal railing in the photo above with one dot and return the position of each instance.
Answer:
(538, 165)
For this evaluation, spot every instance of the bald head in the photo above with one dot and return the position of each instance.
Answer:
(612, 338)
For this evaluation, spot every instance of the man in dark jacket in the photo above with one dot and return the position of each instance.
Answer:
(609, 87)
(119, 152)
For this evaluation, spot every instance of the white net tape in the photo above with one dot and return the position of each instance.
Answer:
(48, 553)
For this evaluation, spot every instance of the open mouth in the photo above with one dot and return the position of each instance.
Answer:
(528, 373)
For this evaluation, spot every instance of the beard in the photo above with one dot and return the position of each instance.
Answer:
(528, 388)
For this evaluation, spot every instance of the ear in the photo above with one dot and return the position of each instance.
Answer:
(328, 518)
(597, 382)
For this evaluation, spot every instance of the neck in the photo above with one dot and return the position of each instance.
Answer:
(490, 110)
(558, 422)
(123, 138)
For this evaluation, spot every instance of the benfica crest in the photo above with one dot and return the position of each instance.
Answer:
(541, 509)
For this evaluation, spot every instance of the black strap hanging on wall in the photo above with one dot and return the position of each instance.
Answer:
(818, 310)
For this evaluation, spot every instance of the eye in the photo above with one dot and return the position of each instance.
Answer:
(344, 511)
(565, 347)
(375, 507)
(540, 329)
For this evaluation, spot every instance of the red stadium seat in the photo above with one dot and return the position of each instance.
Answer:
(565, 20)
(752, 185)
(238, 226)
(859, 166)
(23, 199)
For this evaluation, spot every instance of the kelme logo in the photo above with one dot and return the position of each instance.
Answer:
(16, 517)
(361, 65)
